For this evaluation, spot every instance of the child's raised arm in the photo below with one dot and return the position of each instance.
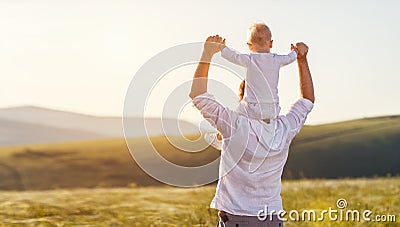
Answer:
(288, 58)
(235, 57)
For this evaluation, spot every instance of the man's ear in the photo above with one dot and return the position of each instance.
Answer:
(250, 46)
(270, 43)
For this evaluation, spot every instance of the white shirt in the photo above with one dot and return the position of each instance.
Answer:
(252, 157)
(262, 72)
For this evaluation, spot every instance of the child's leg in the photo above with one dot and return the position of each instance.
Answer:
(250, 110)
(269, 110)
(241, 108)
(213, 140)
(276, 109)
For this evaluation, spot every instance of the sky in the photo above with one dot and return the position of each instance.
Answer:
(82, 55)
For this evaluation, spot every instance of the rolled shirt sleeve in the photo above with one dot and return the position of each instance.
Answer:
(297, 115)
(222, 118)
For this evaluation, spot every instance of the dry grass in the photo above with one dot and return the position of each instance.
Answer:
(168, 206)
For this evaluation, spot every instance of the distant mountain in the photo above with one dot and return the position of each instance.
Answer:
(32, 125)
(17, 133)
(359, 148)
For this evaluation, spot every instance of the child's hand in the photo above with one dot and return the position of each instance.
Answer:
(219, 136)
(222, 45)
(293, 47)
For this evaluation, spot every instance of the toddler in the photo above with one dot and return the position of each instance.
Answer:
(260, 99)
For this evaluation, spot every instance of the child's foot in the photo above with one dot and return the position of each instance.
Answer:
(212, 139)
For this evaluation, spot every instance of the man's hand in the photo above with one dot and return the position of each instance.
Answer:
(214, 44)
(302, 50)
(306, 83)
(200, 79)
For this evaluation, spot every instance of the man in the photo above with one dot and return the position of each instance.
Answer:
(254, 152)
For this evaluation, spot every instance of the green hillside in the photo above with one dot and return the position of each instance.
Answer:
(359, 148)
(103, 163)
(366, 147)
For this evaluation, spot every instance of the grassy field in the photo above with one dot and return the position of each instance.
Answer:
(168, 206)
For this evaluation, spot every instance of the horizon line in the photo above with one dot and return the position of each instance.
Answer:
(121, 116)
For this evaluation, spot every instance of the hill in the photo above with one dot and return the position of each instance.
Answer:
(358, 148)
(365, 147)
(14, 133)
(105, 163)
(37, 125)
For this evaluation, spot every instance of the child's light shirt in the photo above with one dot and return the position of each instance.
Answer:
(262, 77)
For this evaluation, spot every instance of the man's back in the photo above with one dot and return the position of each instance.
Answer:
(229, 123)
(252, 157)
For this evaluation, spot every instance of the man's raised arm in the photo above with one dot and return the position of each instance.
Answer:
(306, 83)
(200, 79)
(299, 111)
(220, 116)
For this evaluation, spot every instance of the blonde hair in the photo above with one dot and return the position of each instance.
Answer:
(259, 33)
